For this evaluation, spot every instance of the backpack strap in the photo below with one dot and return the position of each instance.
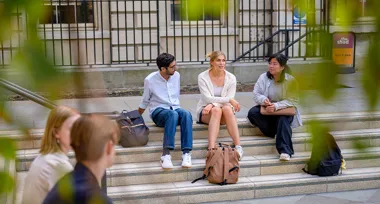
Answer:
(226, 172)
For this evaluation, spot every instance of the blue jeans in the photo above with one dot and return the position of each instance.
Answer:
(169, 119)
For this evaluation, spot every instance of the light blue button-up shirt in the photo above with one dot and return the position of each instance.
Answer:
(161, 93)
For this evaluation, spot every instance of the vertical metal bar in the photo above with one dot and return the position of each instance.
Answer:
(166, 25)
(242, 26)
(250, 28)
(78, 37)
(93, 30)
(175, 53)
(110, 30)
(52, 30)
(118, 31)
(142, 31)
(150, 32)
(134, 31)
(220, 26)
(190, 38)
(286, 28)
(278, 24)
(264, 26)
(60, 28)
(126, 31)
(293, 32)
(226, 8)
(204, 27)
(197, 36)
(158, 28)
(212, 28)
(299, 35)
(183, 59)
(235, 27)
(69, 27)
(102, 28)
(45, 44)
(85, 32)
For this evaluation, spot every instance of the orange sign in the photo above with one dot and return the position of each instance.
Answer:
(344, 49)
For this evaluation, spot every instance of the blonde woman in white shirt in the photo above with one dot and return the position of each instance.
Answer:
(217, 104)
(53, 162)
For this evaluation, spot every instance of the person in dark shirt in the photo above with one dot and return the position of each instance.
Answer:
(92, 138)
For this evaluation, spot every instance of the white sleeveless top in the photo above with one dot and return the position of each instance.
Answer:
(218, 91)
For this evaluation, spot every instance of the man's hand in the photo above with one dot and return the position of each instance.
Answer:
(141, 111)
(270, 108)
(206, 110)
(267, 102)
(235, 104)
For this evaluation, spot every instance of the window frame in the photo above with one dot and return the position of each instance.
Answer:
(194, 23)
(72, 26)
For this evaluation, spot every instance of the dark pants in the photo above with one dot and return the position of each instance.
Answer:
(272, 126)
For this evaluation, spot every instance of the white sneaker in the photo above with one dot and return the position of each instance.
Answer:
(166, 162)
(284, 157)
(186, 160)
(239, 150)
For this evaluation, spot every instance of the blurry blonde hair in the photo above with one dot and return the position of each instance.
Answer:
(90, 134)
(54, 122)
(215, 54)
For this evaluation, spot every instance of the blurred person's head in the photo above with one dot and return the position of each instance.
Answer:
(277, 67)
(217, 60)
(57, 131)
(166, 64)
(93, 139)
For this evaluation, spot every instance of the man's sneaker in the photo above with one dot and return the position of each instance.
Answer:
(239, 150)
(166, 162)
(284, 157)
(186, 160)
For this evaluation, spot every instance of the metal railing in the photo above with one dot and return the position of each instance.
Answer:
(106, 32)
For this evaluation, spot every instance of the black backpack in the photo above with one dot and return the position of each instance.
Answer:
(133, 131)
(326, 158)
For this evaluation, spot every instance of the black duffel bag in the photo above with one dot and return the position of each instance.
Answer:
(133, 131)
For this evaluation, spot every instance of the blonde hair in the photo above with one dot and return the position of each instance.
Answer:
(90, 134)
(54, 122)
(213, 55)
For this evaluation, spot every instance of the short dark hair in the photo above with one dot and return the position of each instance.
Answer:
(281, 59)
(164, 60)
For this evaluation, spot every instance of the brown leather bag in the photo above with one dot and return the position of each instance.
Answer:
(222, 166)
(286, 111)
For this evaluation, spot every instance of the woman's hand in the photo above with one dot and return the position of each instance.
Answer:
(206, 110)
(235, 104)
(270, 108)
(267, 102)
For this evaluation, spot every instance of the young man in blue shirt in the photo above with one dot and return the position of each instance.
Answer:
(161, 94)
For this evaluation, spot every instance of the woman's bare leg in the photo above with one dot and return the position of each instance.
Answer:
(229, 119)
(213, 121)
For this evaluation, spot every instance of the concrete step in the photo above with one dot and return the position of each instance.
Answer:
(151, 172)
(246, 188)
(252, 145)
(336, 122)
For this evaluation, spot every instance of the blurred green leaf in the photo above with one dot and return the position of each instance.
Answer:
(7, 148)
(7, 182)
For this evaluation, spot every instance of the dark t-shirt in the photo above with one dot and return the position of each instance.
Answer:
(79, 186)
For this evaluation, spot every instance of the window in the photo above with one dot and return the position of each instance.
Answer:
(180, 12)
(68, 13)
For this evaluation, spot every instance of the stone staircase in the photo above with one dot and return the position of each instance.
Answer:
(138, 177)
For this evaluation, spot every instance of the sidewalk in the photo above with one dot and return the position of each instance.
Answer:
(34, 115)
